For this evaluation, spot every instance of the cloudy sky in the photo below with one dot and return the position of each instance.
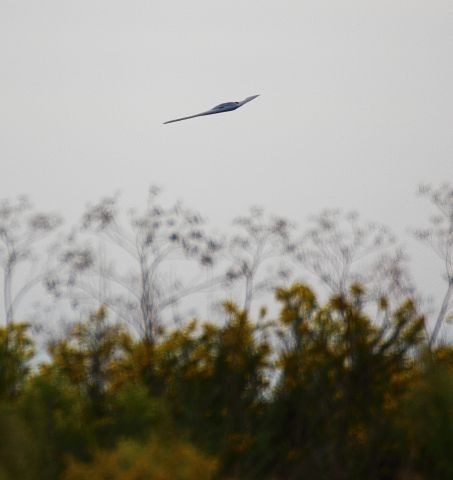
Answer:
(356, 105)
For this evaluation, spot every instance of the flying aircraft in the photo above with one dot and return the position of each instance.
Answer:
(223, 107)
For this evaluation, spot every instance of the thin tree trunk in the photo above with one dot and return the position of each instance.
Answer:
(442, 312)
(7, 280)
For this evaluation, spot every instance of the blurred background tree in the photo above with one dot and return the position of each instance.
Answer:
(439, 237)
(22, 234)
(128, 268)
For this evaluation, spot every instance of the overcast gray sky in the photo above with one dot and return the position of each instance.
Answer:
(356, 105)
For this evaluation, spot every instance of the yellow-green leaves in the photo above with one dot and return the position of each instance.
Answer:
(16, 351)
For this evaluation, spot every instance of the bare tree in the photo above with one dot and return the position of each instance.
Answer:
(439, 236)
(148, 247)
(257, 253)
(340, 249)
(23, 260)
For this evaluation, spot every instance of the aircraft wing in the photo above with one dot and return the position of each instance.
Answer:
(208, 112)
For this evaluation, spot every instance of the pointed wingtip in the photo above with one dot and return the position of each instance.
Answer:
(249, 99)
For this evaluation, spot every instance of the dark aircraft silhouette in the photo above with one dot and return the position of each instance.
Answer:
(223, 107)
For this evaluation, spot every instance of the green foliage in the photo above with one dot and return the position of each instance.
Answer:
(323, 391)
(86, 357)
(18, 452)
(16, 350)
(154, 460)
(429, 400)
(55, 412)
(341, 379)
(216, 380)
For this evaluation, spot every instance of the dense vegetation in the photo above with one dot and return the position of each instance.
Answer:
(325, 391)
(351, 384)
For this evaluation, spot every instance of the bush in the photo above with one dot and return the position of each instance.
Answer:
(157, 459)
